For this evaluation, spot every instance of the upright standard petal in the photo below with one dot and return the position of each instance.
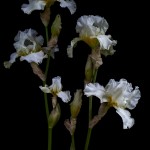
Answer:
(56, 86)
(133, 98)
(65, 96)
(33, 5)
(70, 4)
(122, 93)
(94, 89)
(95, 24)
(27, 41)
(128, 122)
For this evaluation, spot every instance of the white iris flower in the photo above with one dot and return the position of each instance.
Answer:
(40, 5)
(56, 90)
(92, 30)
(28, 47)
(119, 95)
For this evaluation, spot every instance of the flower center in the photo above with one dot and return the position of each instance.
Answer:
(112, 102)
(27, 42)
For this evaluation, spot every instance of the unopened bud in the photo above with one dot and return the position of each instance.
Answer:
(54, 101)
(56, 26)
(75, 105)
(45, 16)
(54, 116)
(88, 70)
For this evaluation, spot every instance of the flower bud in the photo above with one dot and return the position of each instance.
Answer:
(54, 116)
(45, 16)
(88, 70)
(75, 105)
(56, 26)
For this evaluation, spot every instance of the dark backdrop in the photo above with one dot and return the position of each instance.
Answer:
(23, 117)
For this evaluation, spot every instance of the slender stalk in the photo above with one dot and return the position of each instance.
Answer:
(46, 32)
(95, 75)
(44, 82)
(88, 139)
(90, 108)
(72, 147)
(50, 138)
(45, 95)
(90, 113)
(46, 105)
(48, 60)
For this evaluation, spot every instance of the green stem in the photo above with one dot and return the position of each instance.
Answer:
(50, 138)
(46, 33)
(95, 75)
(72, 143)
(45, 95)
(48, 60)
(88, 139)
(44, 82)
(90, 113)
(46, 105)
(90, 108)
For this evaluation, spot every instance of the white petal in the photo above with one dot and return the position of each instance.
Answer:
(20, 39)
(105, 42)
(94, 24)
(95, 90)
(45, 89)
(133, 98)
(56, 85)
(114, 88)
(119, 91)
(70, 4)
(106, 52)
(111, 85)
(39, 39)
(101, 23)
(33, 5)
(27, 41)
(13, 56)
(70, 47)
(128, 122)
(19, 35)
(34, 57)
(65, 96)
(70, 51)
(30, 32)
(53, 50)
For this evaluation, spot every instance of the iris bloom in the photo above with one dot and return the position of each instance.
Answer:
(56, 90)
(28, 47)
(40, 5)
(119, 95)
(92, 31)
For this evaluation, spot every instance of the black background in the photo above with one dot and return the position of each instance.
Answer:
(23, 117)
